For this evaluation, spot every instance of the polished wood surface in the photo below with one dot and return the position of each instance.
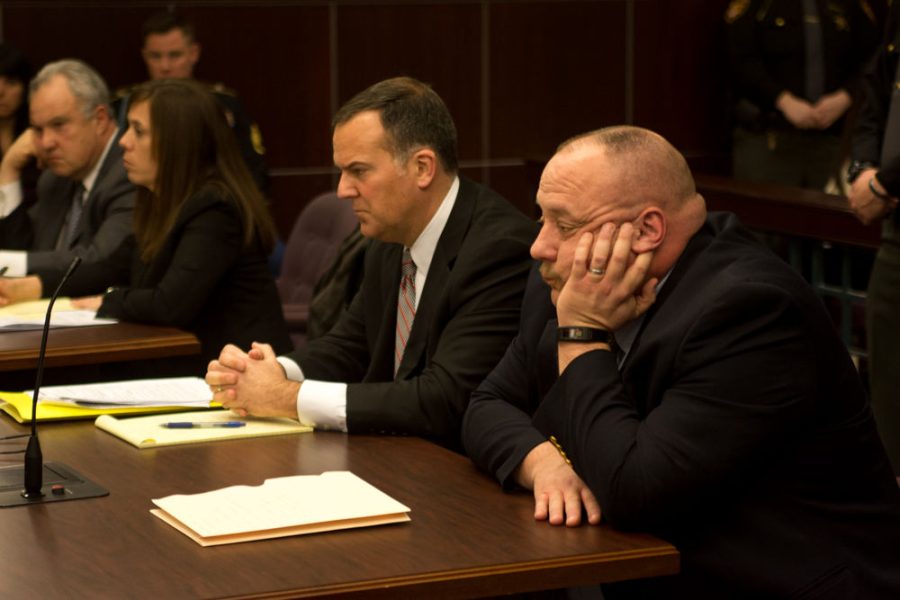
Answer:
(467, 538)
(93, 345)
(789, 210)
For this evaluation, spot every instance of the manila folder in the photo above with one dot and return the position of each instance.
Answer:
(280, 507)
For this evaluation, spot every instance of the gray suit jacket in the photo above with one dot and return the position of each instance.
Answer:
(105, 223)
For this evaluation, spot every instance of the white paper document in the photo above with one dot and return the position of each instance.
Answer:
(280, 507)
(25, 316)
(172, 391)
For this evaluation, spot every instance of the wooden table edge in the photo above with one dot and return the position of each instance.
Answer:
(495, 580)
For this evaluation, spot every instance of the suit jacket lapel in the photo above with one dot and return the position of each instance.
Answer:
(435, 291)
(381, 367)
(695, 246)
(53, 216)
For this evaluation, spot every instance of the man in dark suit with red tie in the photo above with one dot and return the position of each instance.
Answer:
(441, 293)
(673, 376)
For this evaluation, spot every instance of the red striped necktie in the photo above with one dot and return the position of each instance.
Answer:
(406, 307)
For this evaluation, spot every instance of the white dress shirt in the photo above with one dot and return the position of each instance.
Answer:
(323, 404)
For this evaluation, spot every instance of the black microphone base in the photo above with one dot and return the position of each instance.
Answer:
(60, 483)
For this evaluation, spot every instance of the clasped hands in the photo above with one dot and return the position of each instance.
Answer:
(819, 115)
(252, 383)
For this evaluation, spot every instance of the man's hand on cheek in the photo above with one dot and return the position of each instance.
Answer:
(607, 286)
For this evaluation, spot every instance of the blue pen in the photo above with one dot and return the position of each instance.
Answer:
(201, 424)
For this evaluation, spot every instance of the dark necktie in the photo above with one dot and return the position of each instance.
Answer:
(815, 51)
(73, 220)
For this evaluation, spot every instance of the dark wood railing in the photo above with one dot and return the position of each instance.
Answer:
(788, 210)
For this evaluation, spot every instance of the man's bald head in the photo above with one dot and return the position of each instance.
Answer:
(649, 169)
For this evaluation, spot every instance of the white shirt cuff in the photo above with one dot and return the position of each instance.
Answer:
(16, 263)
(10, 198)
(321, 404)
(291, 369)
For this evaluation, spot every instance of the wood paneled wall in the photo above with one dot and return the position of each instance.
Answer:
(519, 76)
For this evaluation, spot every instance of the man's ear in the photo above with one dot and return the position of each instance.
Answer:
(651, 229)
(194, 53)
(424, 161)
(102, 113)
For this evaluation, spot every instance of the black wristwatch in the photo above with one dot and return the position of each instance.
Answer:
(856, 167)
(584, 334)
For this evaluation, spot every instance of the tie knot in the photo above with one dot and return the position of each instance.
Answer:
(408, 266)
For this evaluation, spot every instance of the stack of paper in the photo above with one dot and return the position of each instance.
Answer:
(31, 315)
(171, 391)
(87, 401)
(151, 432)
(280, 507)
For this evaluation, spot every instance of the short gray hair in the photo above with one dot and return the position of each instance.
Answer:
(85, 83)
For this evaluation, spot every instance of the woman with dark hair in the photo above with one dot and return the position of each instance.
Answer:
(15, 73)
(202, 230)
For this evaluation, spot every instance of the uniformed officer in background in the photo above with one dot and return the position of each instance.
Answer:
(170, 50)
(795, 66)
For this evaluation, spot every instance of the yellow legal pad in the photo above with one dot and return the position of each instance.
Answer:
(150, 432)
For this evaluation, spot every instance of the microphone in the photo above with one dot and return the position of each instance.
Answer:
(34, 459)
(67, 484)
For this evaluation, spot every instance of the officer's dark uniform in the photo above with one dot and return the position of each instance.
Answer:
(767, 50)
(245, 130)
(883, 299)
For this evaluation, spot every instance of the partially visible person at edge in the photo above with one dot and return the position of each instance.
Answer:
(15, 75)
(84, 201)
(874, 176)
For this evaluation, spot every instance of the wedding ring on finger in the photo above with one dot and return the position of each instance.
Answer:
(598, 272)
(218, 389)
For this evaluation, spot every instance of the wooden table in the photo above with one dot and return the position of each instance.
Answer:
(104, 352)
(90, 345)
(467, 538)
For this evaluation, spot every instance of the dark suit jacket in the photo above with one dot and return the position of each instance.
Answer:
(878, 83)
(467, 314)
(203, 280)
(105, 222)
(737, 429)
